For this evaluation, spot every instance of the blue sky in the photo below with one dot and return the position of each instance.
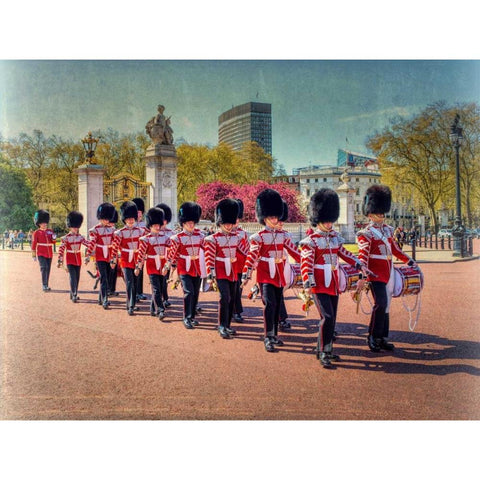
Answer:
(316, 104)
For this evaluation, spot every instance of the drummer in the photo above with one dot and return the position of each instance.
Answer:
(376, 246)
(319, 262)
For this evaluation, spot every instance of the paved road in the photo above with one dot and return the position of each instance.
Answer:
(76, 361)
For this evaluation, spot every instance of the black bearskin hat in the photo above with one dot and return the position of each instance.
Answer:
(74, 220)
(114, 218)
(154, 216)
(41, 216)
(139, 203)
(226, 211)
(105, 211)
(240, 208)
(378, 199)
(166, 210)
(128, 210)
(324, 207)
(268, 204)
(189, 212)
(284, 216)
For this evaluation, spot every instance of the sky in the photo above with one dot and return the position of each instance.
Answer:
(318, 106)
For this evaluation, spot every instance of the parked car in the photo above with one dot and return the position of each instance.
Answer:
(445, 233)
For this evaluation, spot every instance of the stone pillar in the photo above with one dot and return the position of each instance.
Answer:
(161, 172)
(346, 220)
(90, 194)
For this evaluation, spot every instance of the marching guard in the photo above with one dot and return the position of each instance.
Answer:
(186, 251)
(43, 241)
(167, 212)
(70, 248)
(376, 249)
(319, 267)
(141, 224)
(267, 248)
(283, 323)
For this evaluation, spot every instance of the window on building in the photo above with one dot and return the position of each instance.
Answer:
(324, 179)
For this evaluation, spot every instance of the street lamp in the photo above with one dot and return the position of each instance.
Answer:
(458, 231)
(90, 144)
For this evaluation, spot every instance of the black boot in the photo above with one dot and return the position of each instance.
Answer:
(384, 345)
(325, 360)
(373, 343)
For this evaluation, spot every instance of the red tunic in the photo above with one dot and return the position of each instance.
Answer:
(153, 249)
(186, 251)
(70, 246)
(101, 239)
(126, 241)
(319, 263)
(376, 247)
(42, 242)
(267, 247)
(221, 255)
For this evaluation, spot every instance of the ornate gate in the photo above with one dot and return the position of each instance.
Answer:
(125, 187)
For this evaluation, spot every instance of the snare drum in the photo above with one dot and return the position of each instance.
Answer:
(407, 281)
(348, 276)
(295, 278)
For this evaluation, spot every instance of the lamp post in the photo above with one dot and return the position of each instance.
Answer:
(458, 231)
(90, 144)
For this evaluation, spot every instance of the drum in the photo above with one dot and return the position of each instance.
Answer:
(348, 276)
(407, 281)
(295, 280)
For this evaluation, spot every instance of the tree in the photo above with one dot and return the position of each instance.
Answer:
(16, 204)
(209, 194)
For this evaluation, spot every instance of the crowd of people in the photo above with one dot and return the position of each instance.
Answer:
(226, 258)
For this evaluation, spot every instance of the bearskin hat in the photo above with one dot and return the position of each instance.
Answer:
(284, 216)
(240, 208)
(166, 210)
(154, 216)
(189, 212)
(41, 216)
(378, 199)
(114, 218)
(268, 204)
(324, 207)
(105, 211)
(128, 209)
(139, 203)
(226, 211)
(74, 220)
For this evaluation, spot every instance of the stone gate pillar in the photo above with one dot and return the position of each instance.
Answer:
(346, 220)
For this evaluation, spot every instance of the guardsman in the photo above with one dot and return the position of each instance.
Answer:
(221, 254)
(152, 251)
(43, 242)
(70, 249)
(377, 247)
(267, 248)
(320, 252)
(101, 238)
(167, 211)
(126, 241)
(283, 323)
(186, 251)
(115, 271)
(141, 224)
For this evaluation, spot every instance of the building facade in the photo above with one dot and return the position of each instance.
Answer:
(250, 122)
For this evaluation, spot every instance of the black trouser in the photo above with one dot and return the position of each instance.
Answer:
(112, 279)
(45, 264)
(74, 274)
(379, 321)
(283, 310)
(131, 283)
(191, 290)
(157, 283)
(271, 298)
(237, 306)
(104, 270)
(327, 308)
(140, 283)
(226, 301)
(165, 285)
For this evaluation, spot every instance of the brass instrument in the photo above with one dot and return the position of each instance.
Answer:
(254, 291)
(307, 301)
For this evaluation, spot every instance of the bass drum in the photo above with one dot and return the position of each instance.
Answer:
(293, 276)
(348, 277)
(407, 281)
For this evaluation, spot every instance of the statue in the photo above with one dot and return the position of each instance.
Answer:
(158, 128)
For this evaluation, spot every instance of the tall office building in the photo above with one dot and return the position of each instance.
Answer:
(250, 122)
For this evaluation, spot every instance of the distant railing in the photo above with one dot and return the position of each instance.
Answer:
(18, 244)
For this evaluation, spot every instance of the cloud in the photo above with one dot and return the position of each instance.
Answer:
(402, 111)
(186, 122)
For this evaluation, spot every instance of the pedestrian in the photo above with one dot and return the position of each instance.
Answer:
(267, 248)
(141, 224)
(152, 251)
(43, 241)
(125, 242)
(186, 251)
(320, 253)
(70, 248)
(101, 239)
(221, 252)
(377, 247)
(167, 218)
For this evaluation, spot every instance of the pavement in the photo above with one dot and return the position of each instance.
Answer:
(65, 361)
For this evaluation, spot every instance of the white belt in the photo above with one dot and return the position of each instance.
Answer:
(271, 264)
(73, 251)
(327, 268)
(104, 248)
(45, 244)
(381, 257)
(130, 254)
(157, 260)
(201, 259)
(188, 260)
(228, 263)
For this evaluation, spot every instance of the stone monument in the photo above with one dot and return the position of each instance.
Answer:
(346, 220)
(161, 162)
